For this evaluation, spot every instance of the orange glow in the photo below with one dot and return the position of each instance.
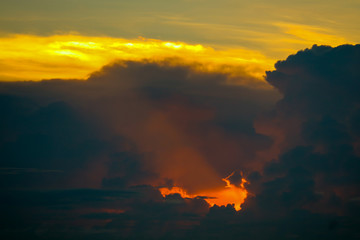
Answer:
(230, 194)
(30, 57)
(174, 190)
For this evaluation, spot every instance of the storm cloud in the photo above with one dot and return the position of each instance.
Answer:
(86, 159)
(310, 179)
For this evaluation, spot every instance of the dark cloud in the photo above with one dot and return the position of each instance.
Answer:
(85, 159)
(314, 171)
(69, 147)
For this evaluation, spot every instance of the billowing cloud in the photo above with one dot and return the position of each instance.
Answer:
(311, 173)
(91, 157)
(133, 126)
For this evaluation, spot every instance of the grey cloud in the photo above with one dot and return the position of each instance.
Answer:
(300, 155)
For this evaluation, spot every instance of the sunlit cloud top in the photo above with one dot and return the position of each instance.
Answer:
(51, 39)
(30, 57)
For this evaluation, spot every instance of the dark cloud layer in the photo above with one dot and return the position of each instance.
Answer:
(84, 159)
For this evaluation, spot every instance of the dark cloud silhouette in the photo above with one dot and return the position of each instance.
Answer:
(130, 128)
(85, 159)
(314, 171)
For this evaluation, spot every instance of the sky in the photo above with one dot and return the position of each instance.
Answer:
(189, 119)
(258, 32)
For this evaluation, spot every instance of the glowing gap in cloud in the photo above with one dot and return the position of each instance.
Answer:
(230, 194)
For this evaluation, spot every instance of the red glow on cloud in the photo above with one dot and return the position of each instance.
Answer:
(229, 194)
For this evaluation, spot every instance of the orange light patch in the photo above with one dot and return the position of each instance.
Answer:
(176, 190)
(230, 194)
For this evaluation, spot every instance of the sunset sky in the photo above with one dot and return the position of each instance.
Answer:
(81, 36)
(188, 119)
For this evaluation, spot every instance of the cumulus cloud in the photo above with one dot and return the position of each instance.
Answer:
(133, 127)
(311, 173)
